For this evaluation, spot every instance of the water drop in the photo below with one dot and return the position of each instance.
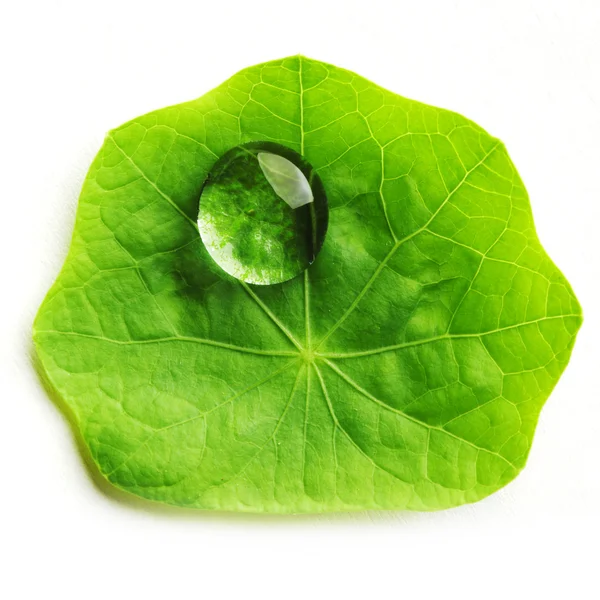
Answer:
(263, 213)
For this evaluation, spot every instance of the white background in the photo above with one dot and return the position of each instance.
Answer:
(526, 71)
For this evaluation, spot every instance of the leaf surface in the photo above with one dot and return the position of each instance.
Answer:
(406, 368)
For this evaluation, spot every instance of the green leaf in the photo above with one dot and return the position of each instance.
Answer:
(406, 368)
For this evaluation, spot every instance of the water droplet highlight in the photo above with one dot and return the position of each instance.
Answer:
(263, 213)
